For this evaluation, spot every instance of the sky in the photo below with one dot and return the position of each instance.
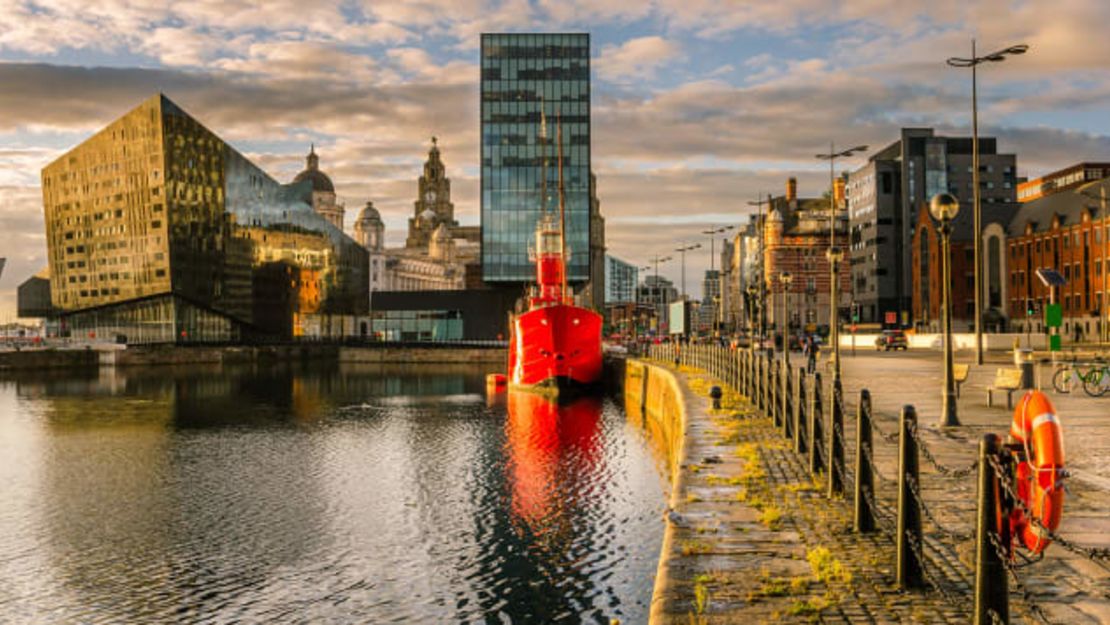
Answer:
(699, 106)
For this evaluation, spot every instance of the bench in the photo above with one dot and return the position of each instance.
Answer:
(1008, 380)
(959, 372)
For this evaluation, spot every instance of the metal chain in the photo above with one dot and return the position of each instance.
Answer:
(952, 473)
(1098, 555)
(881, 517)
(845, 475)
(995, 619)
(918, 552)
(890, 438)
(866, 448)
(924, 508)
(1004, 557)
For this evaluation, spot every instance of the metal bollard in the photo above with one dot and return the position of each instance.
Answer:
(814, 426)
(992, 590)
(909, 569)
(836, 445)
(800, 413)
(787, 403)
(863, 517)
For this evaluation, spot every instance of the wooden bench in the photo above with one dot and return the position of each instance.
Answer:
(960, 373)
(1008, 380)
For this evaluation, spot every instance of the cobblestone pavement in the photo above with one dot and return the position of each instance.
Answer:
(756, 540)
(1069, 587)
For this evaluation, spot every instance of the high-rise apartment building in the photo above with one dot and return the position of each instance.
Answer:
(158, 230)
(621, 279)
(531, 85)
(885, 197)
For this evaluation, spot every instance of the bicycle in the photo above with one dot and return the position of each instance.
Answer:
(1068, 377)
(1097, 381)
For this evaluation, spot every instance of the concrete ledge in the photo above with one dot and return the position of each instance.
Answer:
(655, 393)
(419, 355)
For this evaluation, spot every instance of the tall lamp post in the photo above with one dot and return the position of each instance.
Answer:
(657, 301)
(753, 312)
(713, 232)
(834, 251)
(786, 278)
(682, 250)
(760, 279)
(1103, 312)
(973, 62)
(944, 207)
(835, 256)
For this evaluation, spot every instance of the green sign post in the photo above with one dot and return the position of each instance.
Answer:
(1053, 318)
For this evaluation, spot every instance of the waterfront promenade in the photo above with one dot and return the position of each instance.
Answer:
(751, 559)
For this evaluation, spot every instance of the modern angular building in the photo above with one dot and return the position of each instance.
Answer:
(159, 231)
(885, 196)
(527, 80)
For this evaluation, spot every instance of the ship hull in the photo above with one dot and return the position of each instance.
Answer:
(556, 350)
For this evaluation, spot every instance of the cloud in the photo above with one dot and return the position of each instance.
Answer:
(634, 59)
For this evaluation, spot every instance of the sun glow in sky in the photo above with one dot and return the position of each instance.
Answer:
(698, 105)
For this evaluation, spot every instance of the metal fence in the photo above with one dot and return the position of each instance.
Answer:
(793, 402)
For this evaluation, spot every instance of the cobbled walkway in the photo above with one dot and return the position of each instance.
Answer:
(757, 541)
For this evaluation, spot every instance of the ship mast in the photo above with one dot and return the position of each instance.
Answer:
(562, 205)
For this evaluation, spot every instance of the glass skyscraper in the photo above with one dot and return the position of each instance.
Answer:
(522, 75)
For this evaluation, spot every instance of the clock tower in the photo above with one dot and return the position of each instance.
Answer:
(433, 205)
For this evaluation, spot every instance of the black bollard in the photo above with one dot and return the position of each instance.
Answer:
(787, 402)
(836, 445)
(863, 518)
(992, 590)
(800, 413)
(815, 464)
(909, 569)
(715, 394)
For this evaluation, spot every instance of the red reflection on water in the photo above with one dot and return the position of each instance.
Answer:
(552, 449)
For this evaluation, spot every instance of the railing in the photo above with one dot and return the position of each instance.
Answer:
(816, 431)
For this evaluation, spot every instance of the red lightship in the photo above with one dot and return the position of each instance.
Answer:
(555, 346)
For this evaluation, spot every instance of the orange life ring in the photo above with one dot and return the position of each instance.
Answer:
(1040, 475)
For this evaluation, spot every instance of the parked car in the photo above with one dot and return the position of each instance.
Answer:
(892, 339)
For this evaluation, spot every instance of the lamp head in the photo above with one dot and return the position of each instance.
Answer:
(834, 254)
(786, 277)
(944, 207)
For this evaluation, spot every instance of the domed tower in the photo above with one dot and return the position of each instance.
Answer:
(370, 229)
(322, 195)
(433, 201)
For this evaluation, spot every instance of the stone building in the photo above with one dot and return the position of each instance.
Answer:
(320, 192)
(796, 238)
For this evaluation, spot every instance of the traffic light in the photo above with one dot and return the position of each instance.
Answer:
(1029, 308)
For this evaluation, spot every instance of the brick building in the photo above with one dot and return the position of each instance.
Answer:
(1065, 230)
(926, 276)
(796, 234)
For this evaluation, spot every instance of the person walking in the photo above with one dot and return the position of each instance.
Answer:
(811, 350)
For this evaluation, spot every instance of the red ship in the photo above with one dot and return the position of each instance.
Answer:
(555, 346)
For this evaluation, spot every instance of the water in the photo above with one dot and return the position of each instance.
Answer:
(318, 494)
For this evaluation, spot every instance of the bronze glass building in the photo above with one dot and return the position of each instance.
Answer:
(159, 231)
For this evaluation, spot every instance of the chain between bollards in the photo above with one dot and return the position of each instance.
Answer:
(909, 571)
(836, 444)
(814, 427)
(800, 412)
(992, 589)
(863, 517)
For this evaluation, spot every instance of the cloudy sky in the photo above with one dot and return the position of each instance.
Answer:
(699, 105)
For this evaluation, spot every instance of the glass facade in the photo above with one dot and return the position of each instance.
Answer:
(155, 205)
(526, 79)
(417, 325)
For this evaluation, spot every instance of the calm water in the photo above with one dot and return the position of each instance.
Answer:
(318, 494)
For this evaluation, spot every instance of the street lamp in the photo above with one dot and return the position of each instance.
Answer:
(834, 266)
(786, 278)
(835, 256)
(753, 312)
(944, 208)
(973, 63)
(682, 250)
(713, 232)
(1103, 312)
(760, 278)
